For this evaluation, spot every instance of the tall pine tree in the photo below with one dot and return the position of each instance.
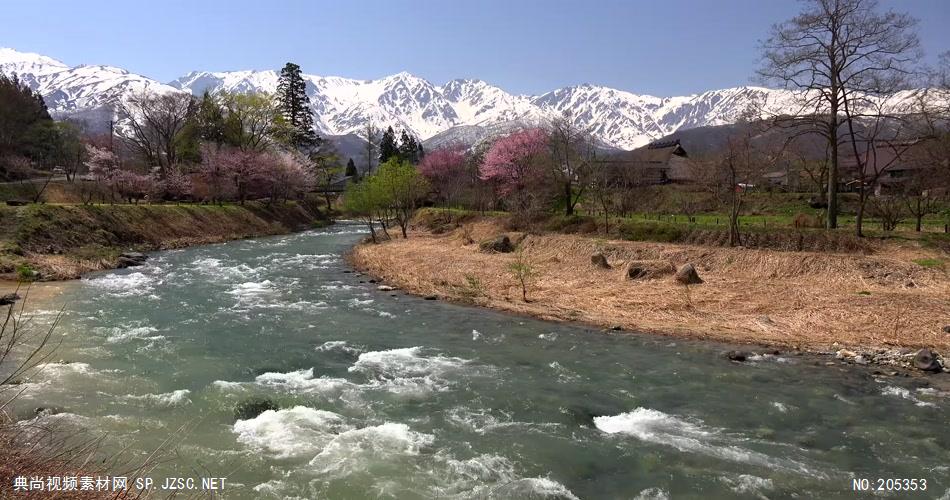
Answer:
(351, 170)
(295, 107)
(387, 146)
(410, 148)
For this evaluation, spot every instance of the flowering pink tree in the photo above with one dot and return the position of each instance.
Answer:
(282, 175)
(214, 173)
(176, 184)
(104, 167)
(445, 168)
(132, 186)
(515, 164)
(102, 163)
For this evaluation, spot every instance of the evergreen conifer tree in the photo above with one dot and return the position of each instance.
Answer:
(408, 148)
(351, 169)
(295, 107)
(387, 146)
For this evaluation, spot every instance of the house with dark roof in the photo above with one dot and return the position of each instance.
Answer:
(888, 165)
(660, 162)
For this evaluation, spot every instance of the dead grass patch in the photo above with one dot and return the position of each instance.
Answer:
(793, 299)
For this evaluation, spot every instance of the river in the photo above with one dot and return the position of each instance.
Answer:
(386, 395)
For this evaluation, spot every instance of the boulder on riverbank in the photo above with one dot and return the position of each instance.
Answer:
(687, 275)
(130, 259)
(499, 244)
(925, 360)
(647, 269)
(8, 299)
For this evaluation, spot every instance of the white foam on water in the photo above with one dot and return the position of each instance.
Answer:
(476, 334)
(221, 271)
(550, 337)
(125, 284)
(174, 398)
(780, 407)
(356, 449)
(533, 487)
(653, 494)
(405, 362)
(338, 345)
(747, 484)
(58, 372)
(253, 289)
(303, 381)
(656, 427)
(356, 302)
(768, 357)
(563, 374)
(224, 385)
(297, 431)
(311, 262)
(129, 332)
(900, 392)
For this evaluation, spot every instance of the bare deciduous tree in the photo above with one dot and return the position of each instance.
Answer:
(836, 50)
(572, 157)
(152, 124)
(371, 135)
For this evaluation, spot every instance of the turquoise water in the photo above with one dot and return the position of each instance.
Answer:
(397, 397)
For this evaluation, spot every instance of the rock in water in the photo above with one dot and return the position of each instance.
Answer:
(926, 361)
(252, 407)
(8, 299)
(687, 275)
(131, 259)
(598, 260)
(124, 262)
(737, 356)
(499, 244)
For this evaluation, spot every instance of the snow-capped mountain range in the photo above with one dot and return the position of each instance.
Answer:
(457, 111)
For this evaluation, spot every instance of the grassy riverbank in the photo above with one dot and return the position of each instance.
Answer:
(878, 299)
(64, 241)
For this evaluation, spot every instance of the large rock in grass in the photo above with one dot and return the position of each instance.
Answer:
(498, 244)
(598, 260)
(926, 360)
(687, 275)
(647, 269)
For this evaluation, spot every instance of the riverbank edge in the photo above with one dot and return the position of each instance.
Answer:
(890, 361)
(730, 349)
(51, 243)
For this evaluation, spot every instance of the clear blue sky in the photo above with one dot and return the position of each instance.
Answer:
(663, 48)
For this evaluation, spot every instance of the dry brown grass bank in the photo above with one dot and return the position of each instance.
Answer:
(793, 299)
(65, 241)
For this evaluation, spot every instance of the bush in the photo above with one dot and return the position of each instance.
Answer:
(645, 231)
(25, 273)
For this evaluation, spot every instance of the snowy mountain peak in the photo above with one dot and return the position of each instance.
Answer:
(458, 110)
(11, 57)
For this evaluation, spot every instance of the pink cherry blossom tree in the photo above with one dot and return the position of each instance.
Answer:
(515, 164)
(217, 183)
(447, 172)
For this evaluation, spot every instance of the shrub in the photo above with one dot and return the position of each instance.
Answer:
(25, 273)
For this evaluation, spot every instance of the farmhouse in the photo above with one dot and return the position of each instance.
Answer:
(661, 162)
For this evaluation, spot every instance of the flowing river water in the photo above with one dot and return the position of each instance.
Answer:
(386, 395)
